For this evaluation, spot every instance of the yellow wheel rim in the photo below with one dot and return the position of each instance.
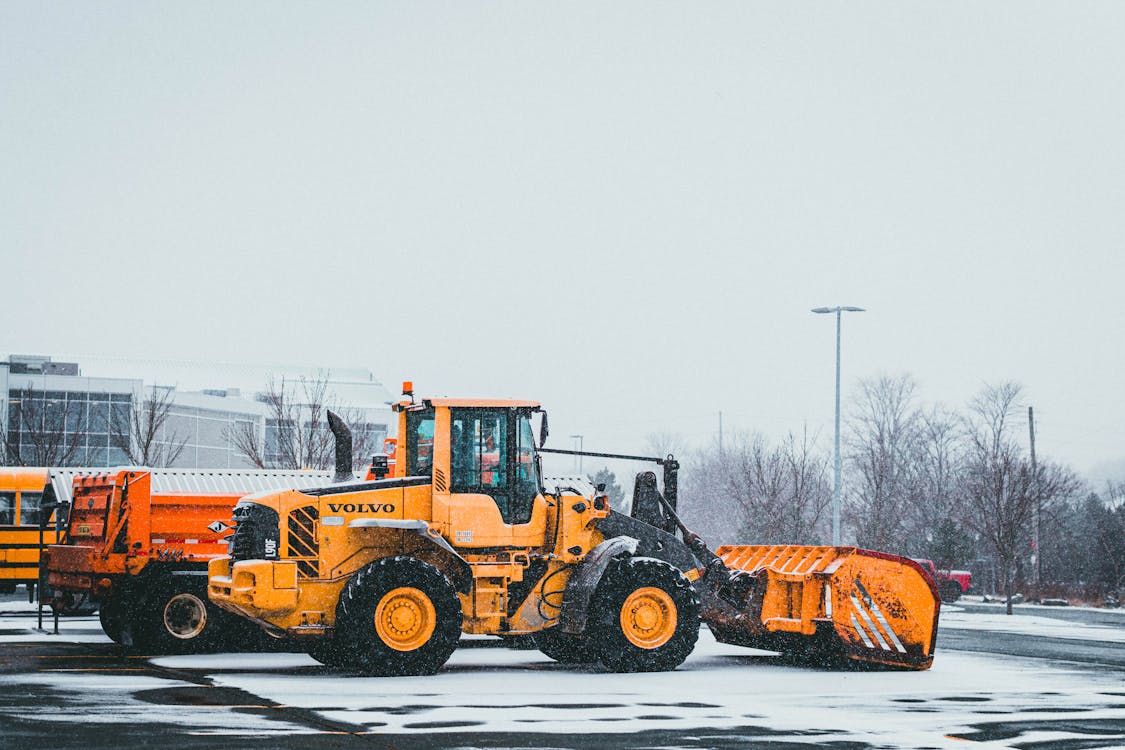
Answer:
(648, 617)
(405, 618)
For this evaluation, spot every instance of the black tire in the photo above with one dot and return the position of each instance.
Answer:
(177, 617)
(111, 615)
(565, 647)
(431, 618)
(326, 651)
(8, 587)
(664, 611)
(950, 591)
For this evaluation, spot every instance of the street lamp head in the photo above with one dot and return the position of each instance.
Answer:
(841, 308)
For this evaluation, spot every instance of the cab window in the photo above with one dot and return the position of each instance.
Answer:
(479, 450)
(29, 508)
(492, 453)
(527, 471)
(420, 443)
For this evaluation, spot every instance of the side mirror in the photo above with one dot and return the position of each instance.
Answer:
(543, 431)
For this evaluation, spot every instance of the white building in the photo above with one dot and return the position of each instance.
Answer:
(83, 403)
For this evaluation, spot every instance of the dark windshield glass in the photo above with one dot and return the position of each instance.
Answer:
(420, 443)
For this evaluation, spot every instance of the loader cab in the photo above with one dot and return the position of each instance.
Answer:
(475, 450)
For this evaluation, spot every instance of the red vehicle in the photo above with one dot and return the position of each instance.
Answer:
(951, 584)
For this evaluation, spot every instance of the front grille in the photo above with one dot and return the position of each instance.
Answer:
(256, 533)
(304, 547)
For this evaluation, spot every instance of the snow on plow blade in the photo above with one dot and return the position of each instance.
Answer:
(824, 604)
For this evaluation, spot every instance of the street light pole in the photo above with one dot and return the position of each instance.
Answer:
(581, 442)
(839, 310)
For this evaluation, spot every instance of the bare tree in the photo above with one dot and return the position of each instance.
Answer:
(933, 514)
(366, 442)
(756, 478)
(1001, 489)
(47, 431)
(706, 504)
(778, 493)
(144, 435)
(810, 494)
(881, 441)
(663, 443)
(297, 427)
(1111, 538)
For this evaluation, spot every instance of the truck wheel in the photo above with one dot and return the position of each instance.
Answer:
(7, 587)
(178, 618)
(644, 616)
(565, 647)
(950, 591)
(327, 651)
(111, 616)
(398, 616)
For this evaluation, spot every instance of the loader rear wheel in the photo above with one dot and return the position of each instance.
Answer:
(565, 647)
(398, 616)
(644, 616)
(327, 651)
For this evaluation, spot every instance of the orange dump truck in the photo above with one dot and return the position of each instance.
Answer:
(137, 541)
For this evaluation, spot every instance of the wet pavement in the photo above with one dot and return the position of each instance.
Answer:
(78, 690)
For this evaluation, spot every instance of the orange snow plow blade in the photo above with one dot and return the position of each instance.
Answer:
(825, 604)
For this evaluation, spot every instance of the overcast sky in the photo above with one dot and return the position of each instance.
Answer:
(624, 210)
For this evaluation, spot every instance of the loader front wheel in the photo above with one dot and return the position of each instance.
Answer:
(644, 616)
(565, 647)
(398, 616)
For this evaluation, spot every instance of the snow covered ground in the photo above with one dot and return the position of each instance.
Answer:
(499, 690)
(956, 618)
(995, 700)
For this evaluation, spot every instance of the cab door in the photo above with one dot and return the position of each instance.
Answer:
(494, 482)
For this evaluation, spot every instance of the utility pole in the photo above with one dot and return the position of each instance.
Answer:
(581, 442)
(1035, 489)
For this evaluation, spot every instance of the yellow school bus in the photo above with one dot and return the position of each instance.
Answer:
(21, 492)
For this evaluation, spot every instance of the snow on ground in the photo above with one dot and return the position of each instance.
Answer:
(87, 697)
(500, 690)
(954, 618)
(22, 629)
(720, 686)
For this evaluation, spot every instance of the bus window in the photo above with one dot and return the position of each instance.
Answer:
(7, 508)
(29, 508)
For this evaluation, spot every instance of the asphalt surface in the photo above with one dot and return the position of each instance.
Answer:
(136, 701)
(1103, 654)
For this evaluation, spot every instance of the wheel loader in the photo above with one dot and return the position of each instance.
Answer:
(383, 576)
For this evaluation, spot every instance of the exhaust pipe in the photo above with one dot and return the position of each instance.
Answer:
(343, 437)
